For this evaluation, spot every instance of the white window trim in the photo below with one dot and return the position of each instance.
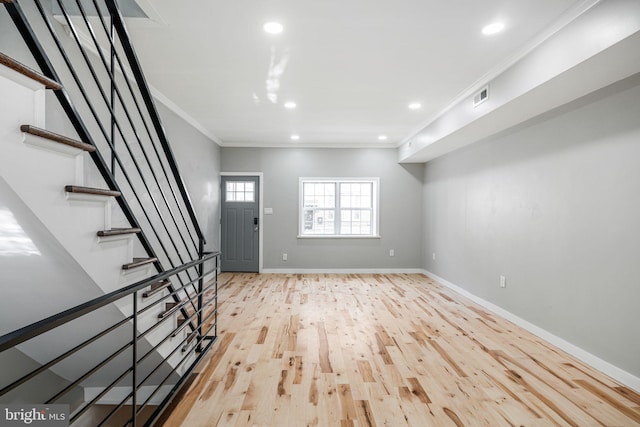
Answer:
(376, 208)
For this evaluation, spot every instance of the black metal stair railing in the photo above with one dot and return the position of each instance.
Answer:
(110, 106)
(128, 353)
(86, 48)
(150, 192)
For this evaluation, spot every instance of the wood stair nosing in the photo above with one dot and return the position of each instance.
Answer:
(179, 325)
(51, 136)
(169, 309)
(89, 190)
(138, 262)
(190, 338)
(27, 71)
(118, 232)
(156, 287)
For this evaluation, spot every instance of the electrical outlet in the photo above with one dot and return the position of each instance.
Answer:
(434, 256)
(392, 252)
(503, 282)
(284, 257)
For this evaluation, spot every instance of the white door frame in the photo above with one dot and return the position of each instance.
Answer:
(260, 176)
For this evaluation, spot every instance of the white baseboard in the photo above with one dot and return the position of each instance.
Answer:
(341, 271)
(603, 366)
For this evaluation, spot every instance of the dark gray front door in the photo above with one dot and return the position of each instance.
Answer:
(240, 223)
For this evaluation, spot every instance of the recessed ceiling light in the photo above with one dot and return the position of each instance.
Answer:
(273, 27)
(295, 137)
(290, 105)
(494, 28)
(415, 105)
(382, 137)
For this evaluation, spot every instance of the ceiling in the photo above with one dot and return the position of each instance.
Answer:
(351, 66)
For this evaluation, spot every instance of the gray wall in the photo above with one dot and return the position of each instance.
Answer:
(198, 159)
(554, 206)
(400, 206)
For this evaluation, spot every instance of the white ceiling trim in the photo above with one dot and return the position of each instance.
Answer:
(560, 23)
(298, 144)
(529, 89)
(159, 96)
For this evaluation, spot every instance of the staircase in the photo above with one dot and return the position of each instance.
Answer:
(105, 192)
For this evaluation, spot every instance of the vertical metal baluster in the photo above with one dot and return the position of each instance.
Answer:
(113, 100)
(134, 372)
(200, 270)
(215, 316)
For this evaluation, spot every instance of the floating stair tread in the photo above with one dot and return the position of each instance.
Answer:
(156, 287)
(118, 232)
(89, 190)
(138, 262)
(179, 325)
(169, 309)
(26, 71)
(190, 338)
(43, 133)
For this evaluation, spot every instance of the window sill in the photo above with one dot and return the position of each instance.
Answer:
(334, 236)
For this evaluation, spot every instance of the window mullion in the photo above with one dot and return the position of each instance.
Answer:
(337, 214)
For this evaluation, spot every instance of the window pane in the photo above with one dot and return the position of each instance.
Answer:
(320, 200)
(240, 191)
(356, 195)
(355, 222)
(319, 221)
(319, 194)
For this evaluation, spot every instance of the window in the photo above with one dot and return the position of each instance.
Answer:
(338, 207)
(237, 191)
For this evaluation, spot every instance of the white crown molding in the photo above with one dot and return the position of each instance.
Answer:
(601, 365)
(561, 22)
(183, 115)
(308, 145)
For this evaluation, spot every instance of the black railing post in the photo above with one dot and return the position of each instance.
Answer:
(113, 100)
(134, 366)
(215, 328)
(200, 270)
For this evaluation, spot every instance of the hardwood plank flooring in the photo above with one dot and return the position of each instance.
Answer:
(385, 350)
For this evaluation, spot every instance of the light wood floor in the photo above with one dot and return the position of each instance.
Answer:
(385, 350)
